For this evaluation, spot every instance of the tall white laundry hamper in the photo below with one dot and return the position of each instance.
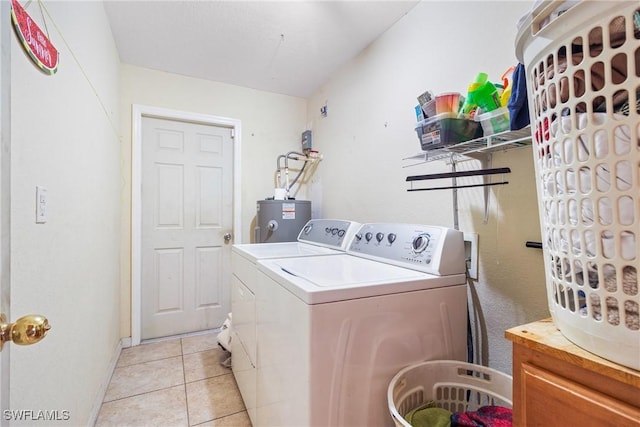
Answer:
(583, 84)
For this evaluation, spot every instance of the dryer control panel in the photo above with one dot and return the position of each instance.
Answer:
(430, 249)
(331, 233)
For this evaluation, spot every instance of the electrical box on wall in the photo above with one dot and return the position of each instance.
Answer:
(41, 205)
(471, 254)
(306, 141)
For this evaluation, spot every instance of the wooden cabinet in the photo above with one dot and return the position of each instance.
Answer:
(556, 383)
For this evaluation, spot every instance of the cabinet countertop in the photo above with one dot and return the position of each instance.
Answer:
(543, 336)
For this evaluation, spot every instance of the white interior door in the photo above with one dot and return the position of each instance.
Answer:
(187, 209)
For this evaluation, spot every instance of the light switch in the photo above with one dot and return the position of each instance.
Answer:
(41, 205)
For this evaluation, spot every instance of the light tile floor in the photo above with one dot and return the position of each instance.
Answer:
(174, 382)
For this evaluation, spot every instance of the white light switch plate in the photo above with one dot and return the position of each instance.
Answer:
(41, 205)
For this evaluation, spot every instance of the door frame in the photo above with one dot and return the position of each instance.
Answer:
(138, 112)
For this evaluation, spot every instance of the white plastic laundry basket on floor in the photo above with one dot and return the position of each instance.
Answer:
(452, 385)
(583, 84)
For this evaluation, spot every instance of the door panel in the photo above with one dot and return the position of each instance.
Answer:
(209, 192)
(168, 281)
(186, 210)
(169, 207)
(208, 268)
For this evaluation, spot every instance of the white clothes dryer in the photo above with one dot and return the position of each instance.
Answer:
(319, 237)
(333, 331)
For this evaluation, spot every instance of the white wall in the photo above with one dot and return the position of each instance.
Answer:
(369, 129)
(271, 125)
(65, 138)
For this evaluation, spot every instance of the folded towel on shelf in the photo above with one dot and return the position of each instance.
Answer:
(485, 416)
(429, 415)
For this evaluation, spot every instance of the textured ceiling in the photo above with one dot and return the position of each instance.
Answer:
(286, 47)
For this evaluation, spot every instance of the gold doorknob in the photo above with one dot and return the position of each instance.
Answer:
(26, 330)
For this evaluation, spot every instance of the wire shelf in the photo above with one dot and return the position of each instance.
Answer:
(502, 141)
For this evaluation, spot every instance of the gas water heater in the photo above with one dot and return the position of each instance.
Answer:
(281, 220)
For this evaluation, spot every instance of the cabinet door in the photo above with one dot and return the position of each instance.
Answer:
(243, 308)
(243, 343)
(552, 400)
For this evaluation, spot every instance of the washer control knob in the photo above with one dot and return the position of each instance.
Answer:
(391, 238)
(420, 243)
(307, 228)
(341, 233)
(358, 237)
(379, 237)
(334, 231)
(368, 236)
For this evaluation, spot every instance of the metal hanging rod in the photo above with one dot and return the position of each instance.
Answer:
(459, 174)
(453, 187)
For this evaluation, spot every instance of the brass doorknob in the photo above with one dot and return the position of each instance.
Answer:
(26, 330)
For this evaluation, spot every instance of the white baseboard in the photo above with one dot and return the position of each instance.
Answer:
(173, 337)
(107, 379)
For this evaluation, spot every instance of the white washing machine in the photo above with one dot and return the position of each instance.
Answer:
(333, 331)
(319, 237)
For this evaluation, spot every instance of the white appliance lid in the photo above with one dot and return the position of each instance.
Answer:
(318, 280)
(257, 251)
